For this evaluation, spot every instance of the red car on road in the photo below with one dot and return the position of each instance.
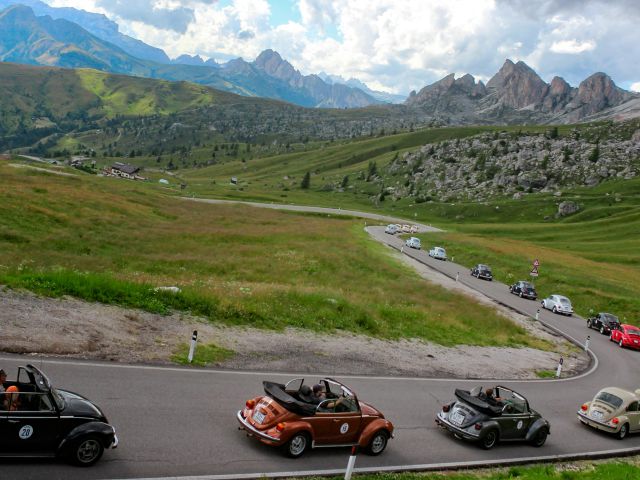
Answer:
(286, 417)
(626, 336)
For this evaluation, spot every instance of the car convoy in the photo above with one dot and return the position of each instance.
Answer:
(37, 419)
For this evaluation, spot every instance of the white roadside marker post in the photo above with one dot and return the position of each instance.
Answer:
(457, 276)
(352, 462)
(586, 344)
(538, 314)
(192, 347)
(559, 370)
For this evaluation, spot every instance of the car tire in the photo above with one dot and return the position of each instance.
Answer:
(520, 294)
(620, 344)
(489, 440)
(589, 323)
(378, 443)
(622, 433)
(297, 445)
(539, 438)
(554, 310)
(602, 329)
(86, 451)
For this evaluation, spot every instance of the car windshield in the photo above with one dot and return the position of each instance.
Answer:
(57, 398)
(610, 399)
(609, 318)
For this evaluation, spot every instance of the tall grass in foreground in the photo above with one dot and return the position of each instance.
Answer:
(612, 470)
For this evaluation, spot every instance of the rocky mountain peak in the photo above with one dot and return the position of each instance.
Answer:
(274, 65)
(518, 85)
(559, 87)
(599, 91)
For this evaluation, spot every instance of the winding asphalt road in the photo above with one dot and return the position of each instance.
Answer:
(177, 422)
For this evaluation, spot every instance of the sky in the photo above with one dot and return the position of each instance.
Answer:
(395, 45)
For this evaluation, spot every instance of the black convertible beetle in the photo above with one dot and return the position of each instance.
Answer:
(38, 420)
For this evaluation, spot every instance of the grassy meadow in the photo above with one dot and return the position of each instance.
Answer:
(608, 470)
(113, 241)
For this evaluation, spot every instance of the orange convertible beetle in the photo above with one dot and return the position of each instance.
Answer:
(287, 417)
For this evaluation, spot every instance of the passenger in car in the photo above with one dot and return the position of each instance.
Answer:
(3, 378)
(317, 395)
(12, 399)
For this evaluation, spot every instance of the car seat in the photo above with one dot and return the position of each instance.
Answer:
(304, 394)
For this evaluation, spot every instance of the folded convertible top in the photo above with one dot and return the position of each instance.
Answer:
(277, 392)
(478, 403)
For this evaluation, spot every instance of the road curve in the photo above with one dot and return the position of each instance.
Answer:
(177, 422)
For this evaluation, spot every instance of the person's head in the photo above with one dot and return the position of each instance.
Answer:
(317, 389)
(3, 376)
(489, 392)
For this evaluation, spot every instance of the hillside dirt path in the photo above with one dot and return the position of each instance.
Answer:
(67, 327)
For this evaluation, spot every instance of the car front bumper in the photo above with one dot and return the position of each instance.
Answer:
(605, 427)
(446, 425)
(254, 432)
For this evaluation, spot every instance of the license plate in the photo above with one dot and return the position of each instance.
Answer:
(258, 417)
(457, 418)
(597, 414)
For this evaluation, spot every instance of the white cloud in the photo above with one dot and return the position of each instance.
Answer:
(635, 87)
(572, 46)
(399, 45)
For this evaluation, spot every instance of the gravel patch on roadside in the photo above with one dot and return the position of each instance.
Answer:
(68, 327)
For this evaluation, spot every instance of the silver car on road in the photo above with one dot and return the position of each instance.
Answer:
(558, 304)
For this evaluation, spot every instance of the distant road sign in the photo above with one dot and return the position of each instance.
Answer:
(536, 263)
(534, 272)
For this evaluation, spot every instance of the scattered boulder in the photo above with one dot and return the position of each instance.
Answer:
(567, 208)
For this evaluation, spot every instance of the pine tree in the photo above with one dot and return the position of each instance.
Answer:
(306, 181)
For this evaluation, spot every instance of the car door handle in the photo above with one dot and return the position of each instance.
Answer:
(336, 420)
(14, 421)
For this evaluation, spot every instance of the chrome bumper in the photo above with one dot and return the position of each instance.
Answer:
(254, 431)
(595, 423)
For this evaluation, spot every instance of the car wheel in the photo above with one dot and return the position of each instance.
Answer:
(297, 445)
(87, 450)
(520, 294)
(378, 443)
(602, 329)
(622, 433)
(554, 310)
(589, 323)
(539, 438)
(489, 440)
(620, 344)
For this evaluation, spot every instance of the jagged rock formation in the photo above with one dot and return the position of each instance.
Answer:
(487, 165)
(516, 94)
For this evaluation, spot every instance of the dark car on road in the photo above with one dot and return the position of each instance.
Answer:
(524, 290)
(482, 271)
(38, 420)
(603, 322)
(503, 415)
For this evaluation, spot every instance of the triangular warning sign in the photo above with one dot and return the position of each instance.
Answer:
(534, 271)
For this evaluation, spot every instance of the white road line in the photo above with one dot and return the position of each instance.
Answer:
(206, 371)
(412, 468)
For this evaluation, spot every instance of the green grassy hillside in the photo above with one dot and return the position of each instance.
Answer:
(112, 241)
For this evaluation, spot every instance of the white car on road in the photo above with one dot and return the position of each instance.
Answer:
(438, 253)
(391, 229)
(558, 304)
(413, 242)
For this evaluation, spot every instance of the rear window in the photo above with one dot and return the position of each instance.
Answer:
(633, 331)
(609, 318)
(609, 399)
(527, 285)
(565, 301)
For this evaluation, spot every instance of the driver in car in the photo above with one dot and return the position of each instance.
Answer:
(489, 397)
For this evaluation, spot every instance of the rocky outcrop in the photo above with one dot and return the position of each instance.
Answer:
(496, 164)
(567, 208)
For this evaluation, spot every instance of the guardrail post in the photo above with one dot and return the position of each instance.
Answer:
(192, 347)
(352, 462)
(586, 344)
(559, 370)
